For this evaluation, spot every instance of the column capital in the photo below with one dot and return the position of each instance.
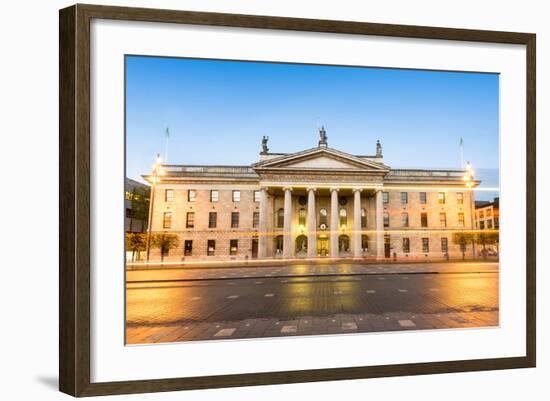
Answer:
(357, 190)
(334, 189)
(287, 189)
(311, 189)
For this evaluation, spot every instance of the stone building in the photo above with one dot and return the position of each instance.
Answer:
(316, 203)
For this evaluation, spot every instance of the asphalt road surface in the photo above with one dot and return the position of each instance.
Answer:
(214, 304)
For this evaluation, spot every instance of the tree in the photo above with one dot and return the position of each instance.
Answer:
(490, 238)
(164, 242)
(462, 239)
(136, 242)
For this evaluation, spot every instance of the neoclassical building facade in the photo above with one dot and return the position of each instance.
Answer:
(316, 203)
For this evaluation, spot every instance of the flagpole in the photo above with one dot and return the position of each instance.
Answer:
(461, 153)
(166, 145)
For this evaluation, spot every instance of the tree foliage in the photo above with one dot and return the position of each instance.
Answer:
(164, 242)
(136, 242)
(462, 239)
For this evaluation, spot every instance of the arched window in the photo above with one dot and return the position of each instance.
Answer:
(278, 244)
(280, 218)
(301, 243)
(343, 243)
(363, 218)
(343, 217)
(364, 243)
(302, 213)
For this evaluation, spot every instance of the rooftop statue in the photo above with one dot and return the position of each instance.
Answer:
(323, 137)
(378, 149)
(265, 149)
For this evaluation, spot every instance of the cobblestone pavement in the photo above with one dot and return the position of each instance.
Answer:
(210, 309)
(297, 270)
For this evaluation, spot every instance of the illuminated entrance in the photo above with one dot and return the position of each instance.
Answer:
(322, 245)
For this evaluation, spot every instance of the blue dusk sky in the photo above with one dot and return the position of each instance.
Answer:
(217, 112)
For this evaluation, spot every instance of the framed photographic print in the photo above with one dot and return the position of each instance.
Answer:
(250, 200)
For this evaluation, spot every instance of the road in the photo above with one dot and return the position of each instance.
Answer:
(238, 307)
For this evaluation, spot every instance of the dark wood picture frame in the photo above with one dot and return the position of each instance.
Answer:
(74, 199)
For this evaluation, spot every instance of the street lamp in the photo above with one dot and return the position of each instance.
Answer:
(155, 178)
(469, 181)
(469, 176)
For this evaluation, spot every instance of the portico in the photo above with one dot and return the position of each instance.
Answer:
(326, 198)
(320, 222)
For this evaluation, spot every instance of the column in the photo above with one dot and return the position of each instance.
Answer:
(287, 234)
(262, 232)
(356, 239)
(311, 224)
(379, 225)
(334, 222)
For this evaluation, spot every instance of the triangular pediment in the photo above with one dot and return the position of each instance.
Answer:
(321, 159)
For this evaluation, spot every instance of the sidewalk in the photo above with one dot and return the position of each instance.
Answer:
(305, 270)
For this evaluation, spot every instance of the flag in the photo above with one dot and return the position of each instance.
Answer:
(461, 141)
(167, 132)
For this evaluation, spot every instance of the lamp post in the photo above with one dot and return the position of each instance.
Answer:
(469, 182)
(155, 178)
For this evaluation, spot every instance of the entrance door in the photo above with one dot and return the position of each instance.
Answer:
(387, 246)
(254, 248)
(322, 246)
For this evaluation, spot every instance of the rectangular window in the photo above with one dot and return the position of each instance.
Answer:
(190, 220)
(461, 219)
(489, 224)
(255, 219)
(188, 247)
(343, 217)
(459, 198)
(423, 197)
(234, 219)
(257, 196)
(425, 245)
(302, 213)
(191, 195)
(386, 219)
(441, 198)
(481, 214)
(233, 247)
(481, 225)
(363, 218)
(404, 197)
(167, 220)
(424, 219)
(236, 196)
(214, 195)
(211, 247)
(168, 195)
(496, 222)
(129, 213)
(212, 219)
(443, 219)
(444, 245)
(280, 218)
(489, 212)
(406, 245)
(405, 219)
(385, 197)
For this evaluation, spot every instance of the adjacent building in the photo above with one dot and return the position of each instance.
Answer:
(487, 215)
(316, 203)
(136, 204)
